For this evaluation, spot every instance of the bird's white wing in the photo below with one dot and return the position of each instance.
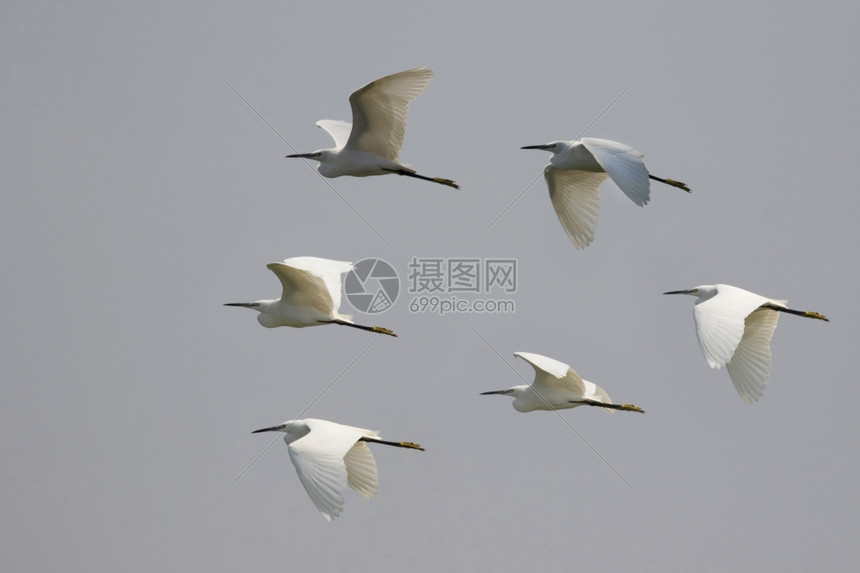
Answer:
(576, 200)
(303, 288)
(720, 322)
(595, 392)
(624, 165)
(312, 281)
(379, 112)
(361, 470)
(598, 394)
(319, 461)
(550, 374)
(338, 130)
(749, 367)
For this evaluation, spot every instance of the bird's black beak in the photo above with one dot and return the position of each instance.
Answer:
(542, 147)
(493, 392)
(272, 429)
(243, 304)
(678, 292)
(304, 155)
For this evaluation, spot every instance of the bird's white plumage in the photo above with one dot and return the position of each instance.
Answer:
(312, 282)
(556, 386)
(310, 296)
(371, 144)
(720, 321)
(576, 202)
(328, 458)
(379, 112)
(551, 373)
(749, 367)
(338, 130)
(575, 173)
(361, 470)
(624, 166)
(734, 328)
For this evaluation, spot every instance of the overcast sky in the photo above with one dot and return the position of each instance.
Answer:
(140, 194)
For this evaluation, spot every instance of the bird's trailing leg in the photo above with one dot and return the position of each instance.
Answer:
(410, 445)
(376, 329)
(671, 182)
(806, 313)
(440, 180)
(626, 407)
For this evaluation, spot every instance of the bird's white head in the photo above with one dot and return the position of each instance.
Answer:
(329, 166)
(514, 391)
(266, 308)
(292, 429)
(525, 398)
(704, 292)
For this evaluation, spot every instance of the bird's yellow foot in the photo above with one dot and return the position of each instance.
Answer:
(383, 330)
(678, 184)
(412, 445)
(447, 182)
(811, 314)
(632, 408)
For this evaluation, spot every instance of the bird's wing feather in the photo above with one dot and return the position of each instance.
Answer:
(303, 288)
(311, 281)
(338, 130)
(550, 374)
(720, 322)
(379, 112)
(624, 165)
(598, 394)
(576, 200)
(319, 461)
(361, 470)
(749, 367)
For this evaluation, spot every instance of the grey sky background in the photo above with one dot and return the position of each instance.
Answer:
(140, 194)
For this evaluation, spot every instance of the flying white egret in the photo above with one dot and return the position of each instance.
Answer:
(577, 169)
(734, 328)
(370, 145)
(330, 456)
(557, 387)
(311, 296)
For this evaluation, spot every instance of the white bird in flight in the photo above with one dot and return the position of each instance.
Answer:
(734, 327)
(330, 456)
(577, 169)
(370, 145)
(556, 387)
(311, 296)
